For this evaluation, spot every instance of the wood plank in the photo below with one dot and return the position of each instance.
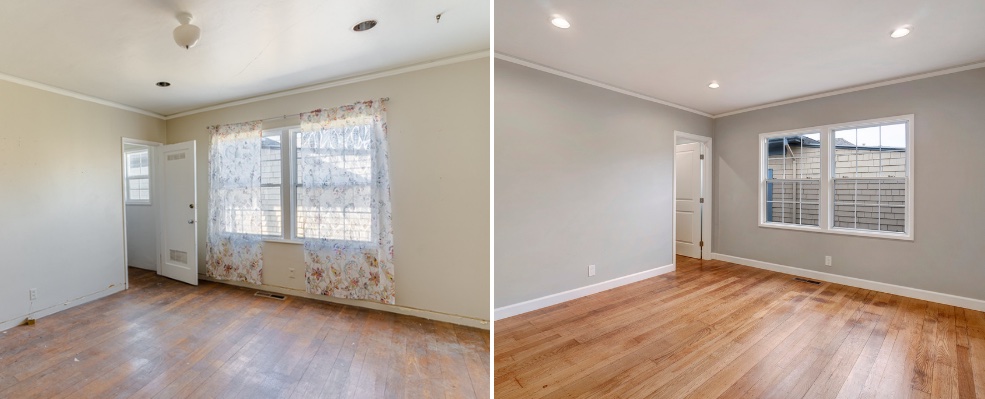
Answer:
(715, 329)
(165, 339)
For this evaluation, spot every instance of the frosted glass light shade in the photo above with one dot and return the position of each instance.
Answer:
(187, 35)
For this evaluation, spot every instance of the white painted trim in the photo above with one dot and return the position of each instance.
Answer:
(858, 88)
(947, 299)
(37, 314)
(422, 313)
(75, 95)
(554, 299)
(595, 83)
(153, 145)
(339, 82)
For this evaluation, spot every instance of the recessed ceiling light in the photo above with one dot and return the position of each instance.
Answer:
(163, 84)
(900, 32)
(560, 22)
(714, 85)
(364, 26)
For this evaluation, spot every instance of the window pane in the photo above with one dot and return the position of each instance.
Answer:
(270, 158)
(892, 218)
(795, 156)
(270, 203)
(846, 153)
(793, 202)
(870, 204)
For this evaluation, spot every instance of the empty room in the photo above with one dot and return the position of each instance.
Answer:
(724, 199)
(244, 199)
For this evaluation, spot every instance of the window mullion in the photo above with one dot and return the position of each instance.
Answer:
(287, 211)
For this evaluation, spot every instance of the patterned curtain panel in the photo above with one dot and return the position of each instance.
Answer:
(343, 211)
(234, 235)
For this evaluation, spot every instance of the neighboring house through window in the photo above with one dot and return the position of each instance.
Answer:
(852, 178)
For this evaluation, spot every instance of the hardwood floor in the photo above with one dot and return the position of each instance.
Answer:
(164, 339)
(716, 329)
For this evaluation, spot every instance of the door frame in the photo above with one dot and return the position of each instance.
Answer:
(155, 177)
(706, 188)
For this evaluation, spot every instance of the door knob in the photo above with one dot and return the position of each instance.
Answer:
(191, 221)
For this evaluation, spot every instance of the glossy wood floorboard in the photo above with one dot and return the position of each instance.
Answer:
(165, 339)
(716, 329)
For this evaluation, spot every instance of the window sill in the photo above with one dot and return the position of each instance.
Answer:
(139, 203)
(283, 241)
(846, 232)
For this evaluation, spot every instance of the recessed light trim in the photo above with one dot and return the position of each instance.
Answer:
(900, 32)
(714, 85)
(162, 84)
(364, 26)
(560, 22)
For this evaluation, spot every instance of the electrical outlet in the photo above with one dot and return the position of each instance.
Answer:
(591, 270)
(291, 271)
(827, 261)
(34, 294)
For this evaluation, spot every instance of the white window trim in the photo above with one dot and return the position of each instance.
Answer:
(826, 207)
(128, 177)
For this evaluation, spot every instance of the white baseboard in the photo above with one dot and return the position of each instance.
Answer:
(426, 314)
(947, 299)
(554, 299)
(37, 314)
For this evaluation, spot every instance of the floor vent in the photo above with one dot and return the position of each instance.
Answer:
(804, 280)
(270, 295)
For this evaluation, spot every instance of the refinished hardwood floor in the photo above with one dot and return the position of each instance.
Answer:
(716, 329)
(165, 339)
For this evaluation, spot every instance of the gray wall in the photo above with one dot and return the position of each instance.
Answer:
(947, 254)
(438, 120)
(583, 176)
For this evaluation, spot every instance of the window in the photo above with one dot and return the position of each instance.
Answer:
(349, 164)
(138, 176)
(853, 178)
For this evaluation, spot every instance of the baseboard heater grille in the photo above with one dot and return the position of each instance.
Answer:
(270, 295)
(804, 280)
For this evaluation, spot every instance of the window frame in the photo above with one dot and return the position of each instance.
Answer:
(827, 180)
(129, 177)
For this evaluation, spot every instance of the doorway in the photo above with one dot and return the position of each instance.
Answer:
(692, 195)
(141, 209)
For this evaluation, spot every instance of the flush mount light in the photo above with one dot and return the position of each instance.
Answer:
(162, 84)
(714, 85)
(900, 32)
(560, 22)
(186, 35)
(365, 25)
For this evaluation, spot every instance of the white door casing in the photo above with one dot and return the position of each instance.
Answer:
(687, 207)
(179, 235)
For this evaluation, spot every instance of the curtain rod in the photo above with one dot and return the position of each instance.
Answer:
(273, 118)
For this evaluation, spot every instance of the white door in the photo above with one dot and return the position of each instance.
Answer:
(687, 161)
(179, 235)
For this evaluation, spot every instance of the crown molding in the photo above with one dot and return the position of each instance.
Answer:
(75, 95)
(595, 83)
(904, 79)
(340, 82)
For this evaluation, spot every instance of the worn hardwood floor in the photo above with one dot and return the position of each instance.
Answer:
(715, 329)
(164, 339)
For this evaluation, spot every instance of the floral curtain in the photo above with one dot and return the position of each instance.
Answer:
(234, 236)
(344, 202)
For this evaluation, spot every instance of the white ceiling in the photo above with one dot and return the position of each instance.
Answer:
(760, 51)
(117, 49)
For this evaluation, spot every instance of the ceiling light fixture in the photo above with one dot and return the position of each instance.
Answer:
(900, 32)
(367, 25)
(560, 22)
(162, 84)
(714, 85)
(186, 35)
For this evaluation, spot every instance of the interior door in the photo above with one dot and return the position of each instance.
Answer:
(687, 161)
(179, 235)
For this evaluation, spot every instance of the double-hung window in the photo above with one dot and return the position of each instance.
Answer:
(138, 176)
(850, 178)
(349, 161)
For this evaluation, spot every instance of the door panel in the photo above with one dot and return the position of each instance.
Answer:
(179, 236)
(687, 162)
